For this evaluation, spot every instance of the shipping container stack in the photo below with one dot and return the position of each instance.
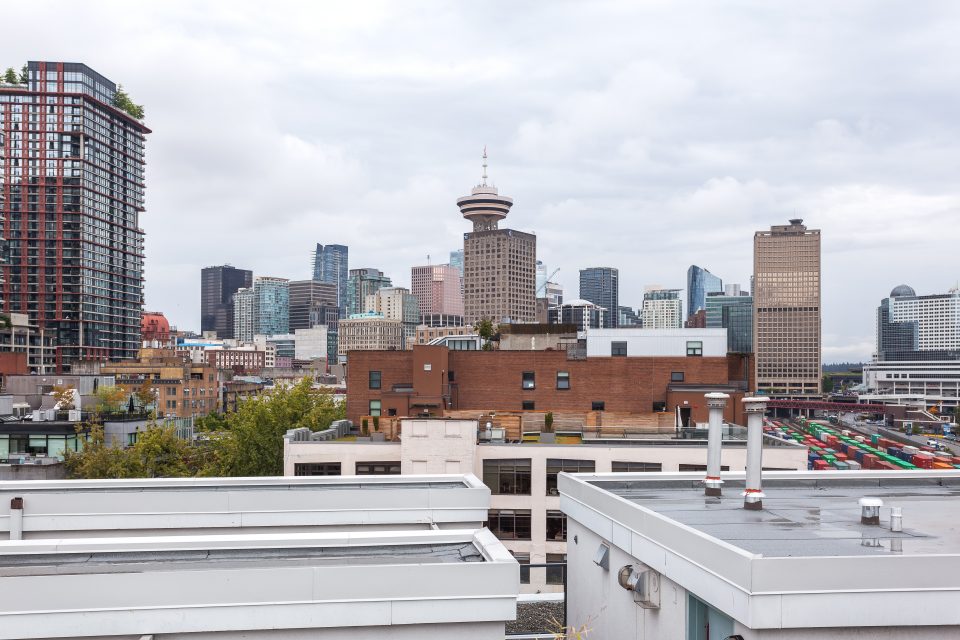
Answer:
(829, 448)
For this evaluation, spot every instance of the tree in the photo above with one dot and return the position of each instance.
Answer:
(157, 453)
(121, 100)
(10, 76)
(548, 422)
(110, 399)
(24, 74)
(376, 423)
(485, 331)
(252, 444)
(827, 384)
(144, 394)
(63, 397)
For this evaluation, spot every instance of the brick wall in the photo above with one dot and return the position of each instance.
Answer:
(492, 380)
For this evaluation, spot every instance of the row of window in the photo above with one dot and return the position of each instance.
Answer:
(512, 476)
(694, 348)
(555, 573)
(389, 468)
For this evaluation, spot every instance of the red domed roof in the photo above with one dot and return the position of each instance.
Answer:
(154, 326)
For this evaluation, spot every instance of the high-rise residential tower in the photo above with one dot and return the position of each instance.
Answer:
(363, 282)
(244, 326)
(396, 303)
(601, 286)
(437, 288)
(73, 196)
(271, 306)
(700, 283)
(331, 265)
(662, 309)
(786, 311)
(217, 286)
(499, 265)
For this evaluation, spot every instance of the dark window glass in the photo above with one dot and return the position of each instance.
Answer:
(563, 379)
(618, 348)
(391, 412)
(529, 381)
(374, 379)
(700, 467)
(555, 466)
(632, 467)
(528, 405)
(316, 469)
(694, 347)
(556, 525)
(597, 405)
(507, 477)
(659, 406)
(509, 524)
(378, 468)
(523, 559)
(676, 376)
(555, 574)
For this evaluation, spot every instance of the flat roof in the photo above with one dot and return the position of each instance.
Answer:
(804, 560)
(816, 517)
(140, 561)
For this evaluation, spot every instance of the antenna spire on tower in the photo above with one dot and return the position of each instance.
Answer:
(484, 183)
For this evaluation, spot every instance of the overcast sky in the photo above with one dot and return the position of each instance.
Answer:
(646, 136)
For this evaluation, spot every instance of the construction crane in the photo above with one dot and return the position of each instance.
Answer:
(536, 294)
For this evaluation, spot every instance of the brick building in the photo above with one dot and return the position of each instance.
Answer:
(237, 360)
(432, 380)
(183, 389)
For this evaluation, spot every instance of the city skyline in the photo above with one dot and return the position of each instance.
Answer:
(794, 137)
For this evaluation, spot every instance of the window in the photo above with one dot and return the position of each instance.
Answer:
(700, 467)
(523, 559)
(529, 381)
(555, 466)
(597, 405)
(316, 469)
(676, 376)
(556, 525)
(374, 379)
(391, 412)
(659, 406)
(555, 574)
(694, 347)
(563, 379)
(618, 348)
(378, 468)
(633, 467)
(507, 477)
(374, 407)
(509, 524)
(528, 405)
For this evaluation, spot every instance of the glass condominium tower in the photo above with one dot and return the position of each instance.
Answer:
(700, 283)
(72, 201)
(331, 265)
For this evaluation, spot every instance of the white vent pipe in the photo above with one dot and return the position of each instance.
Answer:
(755, 408)
(716, 402)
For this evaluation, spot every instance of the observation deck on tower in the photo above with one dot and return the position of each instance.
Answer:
(484, 206)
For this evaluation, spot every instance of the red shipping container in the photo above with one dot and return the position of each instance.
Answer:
(820, 465)
(869, 461)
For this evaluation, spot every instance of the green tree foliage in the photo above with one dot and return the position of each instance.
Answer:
(121, 100)
(548, 422)
(10, 76)
(110, 399)
(24, 74)
(827, 384)
(157, 453)
(252, 444)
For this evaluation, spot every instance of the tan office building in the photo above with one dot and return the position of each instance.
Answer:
(369, 332)
(499, 265)
(786, 311)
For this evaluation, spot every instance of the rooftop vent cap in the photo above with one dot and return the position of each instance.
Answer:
(602, 557)
(870, 510)
(644, 583)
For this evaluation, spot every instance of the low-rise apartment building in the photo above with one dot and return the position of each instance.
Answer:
(369, 332)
